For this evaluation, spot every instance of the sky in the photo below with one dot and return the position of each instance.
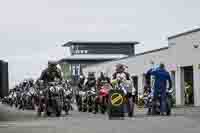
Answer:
(32, 31)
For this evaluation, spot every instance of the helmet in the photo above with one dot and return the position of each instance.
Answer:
(91, 75)
(82, 77)
(120, 68)
(52, 63)
(102, 74)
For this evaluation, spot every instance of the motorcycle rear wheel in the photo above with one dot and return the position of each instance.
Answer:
(168, 107)
(58, 113)
(48, 113)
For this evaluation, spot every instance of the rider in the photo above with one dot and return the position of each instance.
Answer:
(81, 82)
(160, 85)
(120, 69)
(80, 86)
(102, 80)
(91, 81)
(120, 72)
(50, 73)
(130, 92)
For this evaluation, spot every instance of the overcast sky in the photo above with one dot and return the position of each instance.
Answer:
(32, 31)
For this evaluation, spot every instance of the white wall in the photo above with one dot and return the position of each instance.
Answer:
(183, 52)
(180, 53)
(136, 65)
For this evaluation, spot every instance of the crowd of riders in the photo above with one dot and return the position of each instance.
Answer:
(51, 94)
(48, 94)
(157, 90)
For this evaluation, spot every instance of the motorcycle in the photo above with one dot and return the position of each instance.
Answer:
(143, 100)
(30, 99)
(54, 100)
(90, 99)
(41, 102)
(82, 95)
(128, 99)
(102, 99)
(154, 105)
(66, 95)
(67, 100)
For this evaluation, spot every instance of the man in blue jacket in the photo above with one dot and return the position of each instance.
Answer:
(161, 76)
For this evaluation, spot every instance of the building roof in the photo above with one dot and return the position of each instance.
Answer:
(151, 51)
(184, 33)
(100, 42)
(95, 57)
(139, 54)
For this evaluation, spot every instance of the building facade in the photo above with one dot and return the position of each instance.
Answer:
(87, 53)
(181, 58)
(79, 48)
(4, 79)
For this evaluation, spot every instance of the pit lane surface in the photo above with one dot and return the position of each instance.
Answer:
(14, 121)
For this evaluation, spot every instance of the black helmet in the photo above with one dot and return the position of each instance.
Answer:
(91, 75)
(52, 63)
(120, 68)
(82, 77)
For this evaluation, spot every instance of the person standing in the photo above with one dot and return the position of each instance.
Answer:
(161, 76)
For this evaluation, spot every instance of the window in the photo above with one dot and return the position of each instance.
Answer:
(86, 51)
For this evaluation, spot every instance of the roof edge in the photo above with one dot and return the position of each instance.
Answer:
(101, 42)
(184, 33)
(139, 54)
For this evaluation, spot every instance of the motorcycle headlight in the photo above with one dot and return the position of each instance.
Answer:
(52, 89)
(67, 92)
(170, 91)
(82, 93)
(41, 92)
(141, 96)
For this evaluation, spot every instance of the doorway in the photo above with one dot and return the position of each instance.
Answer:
(173, 78)
(188, 85)
(135, 84)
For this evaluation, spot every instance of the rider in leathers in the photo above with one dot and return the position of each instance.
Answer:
(80, 86)
(90, 82)
(102, 80)
(50, 73)
(120, 72)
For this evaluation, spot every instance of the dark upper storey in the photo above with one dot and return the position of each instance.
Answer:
(126, 48)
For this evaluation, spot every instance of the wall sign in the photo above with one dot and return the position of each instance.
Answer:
(172, 67)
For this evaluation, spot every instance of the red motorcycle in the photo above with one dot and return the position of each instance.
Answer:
(103, 98)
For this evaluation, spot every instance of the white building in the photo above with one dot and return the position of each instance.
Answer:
(181, 57)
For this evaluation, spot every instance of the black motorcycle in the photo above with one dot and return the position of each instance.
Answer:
(81, 100)
(154, 104)
(91, 94)
(54, 100)
(67, 100)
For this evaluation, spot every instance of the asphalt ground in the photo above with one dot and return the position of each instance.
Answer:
(183, 120)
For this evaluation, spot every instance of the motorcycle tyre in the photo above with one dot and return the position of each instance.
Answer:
(168, 107)
(84, 109)
(58, 113)
(103, 109)
(90, 109)
(48, 113)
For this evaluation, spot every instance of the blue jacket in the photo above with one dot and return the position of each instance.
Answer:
(161, 78)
